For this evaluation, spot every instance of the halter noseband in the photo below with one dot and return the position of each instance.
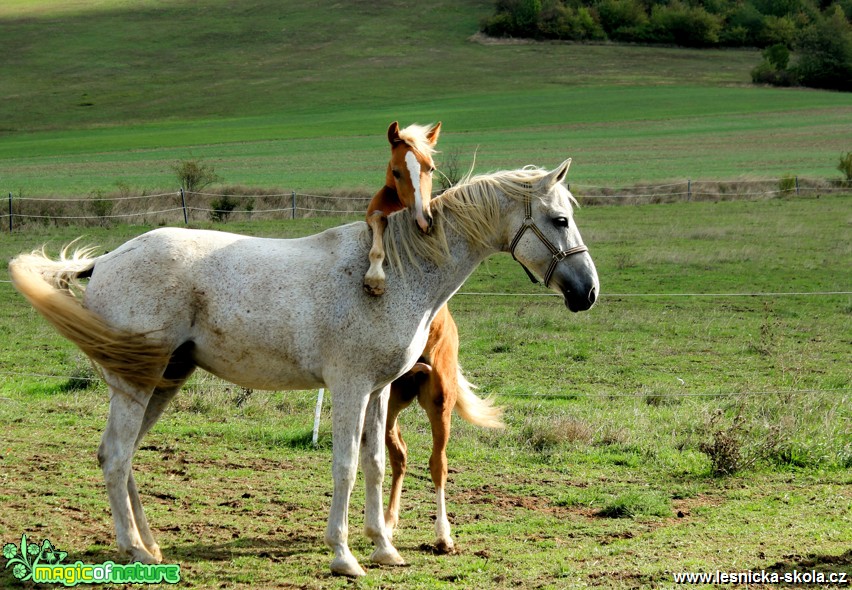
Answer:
(558, 255)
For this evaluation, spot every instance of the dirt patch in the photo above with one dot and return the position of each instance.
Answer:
(494, 496)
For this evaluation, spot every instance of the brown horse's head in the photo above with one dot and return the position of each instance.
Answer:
(411, 166)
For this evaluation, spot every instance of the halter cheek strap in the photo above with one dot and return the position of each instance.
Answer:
(557, 254)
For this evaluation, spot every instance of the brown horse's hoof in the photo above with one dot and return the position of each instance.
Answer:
(374, 290)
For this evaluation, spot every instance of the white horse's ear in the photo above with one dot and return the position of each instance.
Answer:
(557, 175)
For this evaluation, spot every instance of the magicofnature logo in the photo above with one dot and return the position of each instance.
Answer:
(42, 564)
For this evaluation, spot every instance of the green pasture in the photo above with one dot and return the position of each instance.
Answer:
(605, 474)
(109, 94)
(719, 341)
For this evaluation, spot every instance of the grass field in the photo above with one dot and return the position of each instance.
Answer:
(619, 419)
(299, 96)
(604, 476)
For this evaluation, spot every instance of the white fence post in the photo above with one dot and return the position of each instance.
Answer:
(317, 412)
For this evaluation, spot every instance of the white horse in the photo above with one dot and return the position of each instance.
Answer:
(291, 314)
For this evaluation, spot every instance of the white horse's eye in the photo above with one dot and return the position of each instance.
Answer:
(561, 222)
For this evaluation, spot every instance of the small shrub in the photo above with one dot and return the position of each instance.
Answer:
(740, 445)
(766, 73)
(222, 208)
(622, 18)
(194, 175)
(681, 24)
(845, 165)
(101, 206)
(725, 449)
(787, 184)
(563, 22)
(450, 172)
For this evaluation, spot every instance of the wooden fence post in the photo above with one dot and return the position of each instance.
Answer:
(10, 212)
(797, 186)
(183, 204)
(294, 204)
(689, 190)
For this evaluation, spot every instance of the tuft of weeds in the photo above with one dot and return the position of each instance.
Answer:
(80, 379)
(543, 434)
(740, 444)
(634, 503)
(626, 504)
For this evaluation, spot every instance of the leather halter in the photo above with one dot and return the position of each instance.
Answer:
(557, 254)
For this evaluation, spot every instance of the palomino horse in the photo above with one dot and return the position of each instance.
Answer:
(408, 183)
(436, 381)
(290, 314)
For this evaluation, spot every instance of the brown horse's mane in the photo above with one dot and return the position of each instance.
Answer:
(415, 137)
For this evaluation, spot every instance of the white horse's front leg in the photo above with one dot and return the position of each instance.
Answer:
(373, 464)
(374, 280)
(347, 414)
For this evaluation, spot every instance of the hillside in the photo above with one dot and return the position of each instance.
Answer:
(299, 95)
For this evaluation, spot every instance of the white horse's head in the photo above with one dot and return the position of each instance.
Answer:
(547, 240)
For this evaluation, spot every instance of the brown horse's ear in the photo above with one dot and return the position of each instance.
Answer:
(421, 367)
(393, 133)
(434, 132)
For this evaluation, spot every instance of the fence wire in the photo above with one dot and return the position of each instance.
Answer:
(291, 204)
(566, 396)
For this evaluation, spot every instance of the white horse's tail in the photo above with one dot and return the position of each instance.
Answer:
(474, 409)
(47, 285)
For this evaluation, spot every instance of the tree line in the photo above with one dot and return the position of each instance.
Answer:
(806, 42)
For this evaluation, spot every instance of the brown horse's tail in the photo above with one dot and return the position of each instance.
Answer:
(47, 284)
(474, 409)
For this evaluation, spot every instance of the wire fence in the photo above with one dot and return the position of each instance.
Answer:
(83, 382)
(239, 204)
(184, 206)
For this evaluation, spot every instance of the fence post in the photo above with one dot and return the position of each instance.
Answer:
(183, 204)
(294, 204)
(689, 190)
(317, 412)
(10, 212)
(797, 186)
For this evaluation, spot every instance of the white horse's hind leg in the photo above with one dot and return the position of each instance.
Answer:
(156, 406)
(127, 408)
(373, 465)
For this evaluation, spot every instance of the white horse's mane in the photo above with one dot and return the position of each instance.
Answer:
(474, 205)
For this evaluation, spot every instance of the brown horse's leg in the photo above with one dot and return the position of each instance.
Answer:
(438, 400)
(398, 455)
(403, 392)
(374, 280)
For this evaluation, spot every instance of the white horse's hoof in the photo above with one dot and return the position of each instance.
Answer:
(445, 545)
(142, 556)
(349, 567)
(155, 552)
(388, 556)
